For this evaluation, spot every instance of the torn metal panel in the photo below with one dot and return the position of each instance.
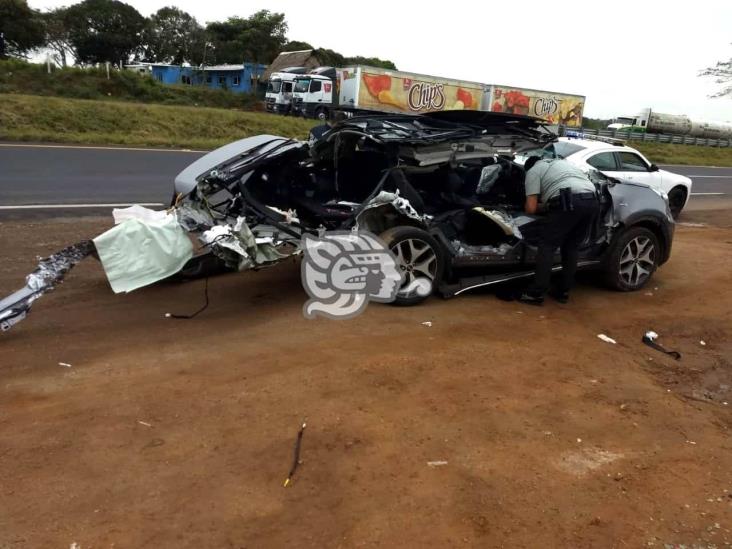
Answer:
(136, 254)
(241, 248)
(50, 272)
(467, 250)
(193, 215)
(503, 220)
(383, 210)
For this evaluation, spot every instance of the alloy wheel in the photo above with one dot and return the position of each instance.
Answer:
(637, 261)
(415, 259)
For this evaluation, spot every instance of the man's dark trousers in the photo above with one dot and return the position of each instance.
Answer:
(564, 230)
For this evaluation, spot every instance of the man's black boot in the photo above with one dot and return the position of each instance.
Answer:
(531, 299)
(562, 296)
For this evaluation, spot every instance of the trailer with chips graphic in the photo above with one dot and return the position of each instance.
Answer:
(556, 108)
(376, 89)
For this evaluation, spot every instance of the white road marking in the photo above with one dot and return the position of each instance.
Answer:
(92, 147)
(708, 194)
(64, 206)
(690, 166)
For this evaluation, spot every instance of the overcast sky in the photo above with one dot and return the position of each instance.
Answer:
(623, 55)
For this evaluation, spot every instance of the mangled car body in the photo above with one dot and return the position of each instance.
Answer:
(441, 190)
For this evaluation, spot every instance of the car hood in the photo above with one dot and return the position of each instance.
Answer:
(186, 180)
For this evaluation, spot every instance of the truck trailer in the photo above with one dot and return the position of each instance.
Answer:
(361, 87)
(649, 121)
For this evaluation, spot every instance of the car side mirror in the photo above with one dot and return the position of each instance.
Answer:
(653, 168)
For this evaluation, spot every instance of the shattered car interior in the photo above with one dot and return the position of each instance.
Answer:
(441, 190)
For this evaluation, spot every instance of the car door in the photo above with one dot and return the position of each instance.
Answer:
(632, 167)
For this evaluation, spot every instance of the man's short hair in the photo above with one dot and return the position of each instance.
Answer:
(530, 162)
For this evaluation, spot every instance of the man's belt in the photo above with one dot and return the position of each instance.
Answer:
(566, 199)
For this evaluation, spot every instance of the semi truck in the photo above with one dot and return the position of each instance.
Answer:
(323, 89)
(650, 121)
(278, 97)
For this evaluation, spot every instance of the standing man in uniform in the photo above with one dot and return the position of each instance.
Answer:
(569, 200)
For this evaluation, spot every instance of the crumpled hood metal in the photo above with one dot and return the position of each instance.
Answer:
(187, 180)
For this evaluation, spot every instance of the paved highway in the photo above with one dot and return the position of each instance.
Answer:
(48, 181)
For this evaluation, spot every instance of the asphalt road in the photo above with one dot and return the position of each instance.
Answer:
(34, 174)
(51, 181)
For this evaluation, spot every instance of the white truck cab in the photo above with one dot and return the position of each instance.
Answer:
(314, 93)
(280, 89)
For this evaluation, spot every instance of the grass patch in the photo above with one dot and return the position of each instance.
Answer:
(694, 155)
(61, 120)
(19, 77)
(32, 118)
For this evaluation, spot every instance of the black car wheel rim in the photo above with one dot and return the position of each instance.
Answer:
(637, 261)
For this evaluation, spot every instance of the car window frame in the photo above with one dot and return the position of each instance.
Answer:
(612, 155)
(619, 162)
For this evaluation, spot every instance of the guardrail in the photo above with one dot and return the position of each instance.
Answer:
(650, 137)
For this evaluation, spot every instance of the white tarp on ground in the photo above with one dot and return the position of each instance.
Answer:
(137, 253)
(139, 212)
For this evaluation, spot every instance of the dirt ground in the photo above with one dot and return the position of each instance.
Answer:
(180, 433)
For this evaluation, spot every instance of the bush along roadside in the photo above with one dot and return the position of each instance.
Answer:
(54, 119)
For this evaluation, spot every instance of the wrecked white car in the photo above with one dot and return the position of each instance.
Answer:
(441, 189)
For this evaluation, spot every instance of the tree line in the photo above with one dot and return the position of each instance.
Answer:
(99, 31)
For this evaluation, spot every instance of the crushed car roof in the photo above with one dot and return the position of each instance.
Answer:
(442, 126)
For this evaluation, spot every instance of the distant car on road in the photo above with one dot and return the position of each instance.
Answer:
(621, 162)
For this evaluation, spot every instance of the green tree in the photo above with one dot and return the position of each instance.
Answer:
(21, 28)
(104, 30)
(371, 62)
(56, 28)
(722, 73)
(334, 59)
(329, 58)
(258, 38)
(296, 45)
(173, 36)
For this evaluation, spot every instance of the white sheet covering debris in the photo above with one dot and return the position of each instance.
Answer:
(137, 253)
(139, 212)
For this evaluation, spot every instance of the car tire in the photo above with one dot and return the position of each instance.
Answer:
(633, 259)
(417, 253)
(321, 113)
(676, 200)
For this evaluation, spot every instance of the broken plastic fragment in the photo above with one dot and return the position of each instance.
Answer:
(488, 177)
(606, 339)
